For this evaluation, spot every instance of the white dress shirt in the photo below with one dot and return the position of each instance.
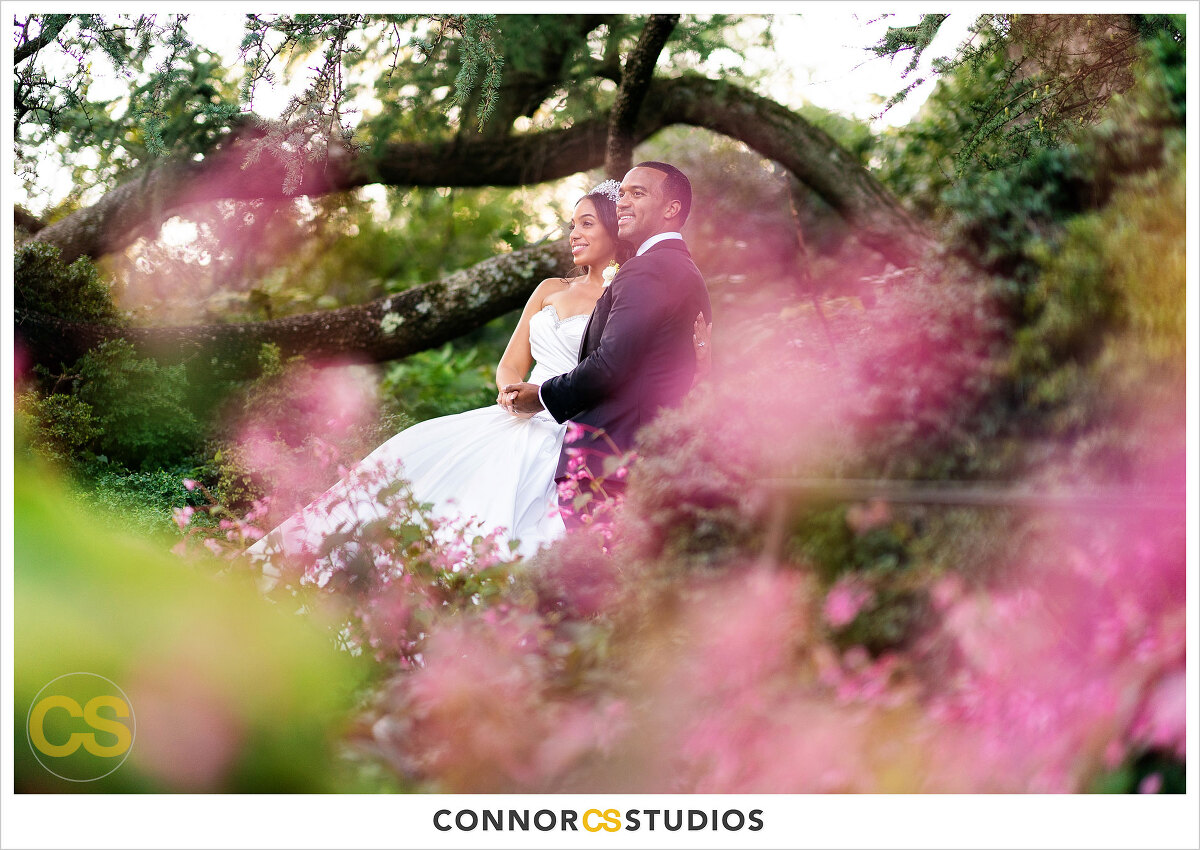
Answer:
(655, 239)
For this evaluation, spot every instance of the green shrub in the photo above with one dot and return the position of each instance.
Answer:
(138, 405)
(821, 536)
(265, 397)
(60, 426)
(136, 502)
(1108, 309)
(95, 600)
(45, 284)
(1001, 218)
(440, 382)
(1168, 56)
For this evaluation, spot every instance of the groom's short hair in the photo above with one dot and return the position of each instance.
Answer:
(675, 188)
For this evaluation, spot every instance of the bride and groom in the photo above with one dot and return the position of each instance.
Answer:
(605, 356)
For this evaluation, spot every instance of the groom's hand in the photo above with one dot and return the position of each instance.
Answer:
(522, 399)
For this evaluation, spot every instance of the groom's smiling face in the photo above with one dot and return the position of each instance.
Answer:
(642, 211)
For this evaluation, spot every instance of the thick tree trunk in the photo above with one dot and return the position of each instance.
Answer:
(140, 205)
(635, 82)
(380, 330)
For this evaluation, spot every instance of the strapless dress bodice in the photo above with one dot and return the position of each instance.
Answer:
(554, 342)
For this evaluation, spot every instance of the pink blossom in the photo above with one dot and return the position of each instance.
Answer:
(863, 518)
(844, 601)
(183, 516)
(1163, 719)
(189, 484)
(575, 432)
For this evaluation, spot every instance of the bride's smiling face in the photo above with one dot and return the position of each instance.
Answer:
(591, 243)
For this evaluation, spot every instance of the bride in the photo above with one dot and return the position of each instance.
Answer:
(488, 464)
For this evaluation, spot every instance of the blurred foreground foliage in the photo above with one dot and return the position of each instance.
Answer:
(229, 693)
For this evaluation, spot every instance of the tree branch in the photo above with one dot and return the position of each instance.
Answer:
(52, 25)
(26, 220)
(808, 152)
(635, 82)
(772, 130)
(385, 329)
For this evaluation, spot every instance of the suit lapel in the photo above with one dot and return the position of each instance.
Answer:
(596, 321)
(599, 317)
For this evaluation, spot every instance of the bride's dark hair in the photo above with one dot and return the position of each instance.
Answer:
(606, 211)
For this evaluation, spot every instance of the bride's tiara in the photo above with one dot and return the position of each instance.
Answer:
(610, 189)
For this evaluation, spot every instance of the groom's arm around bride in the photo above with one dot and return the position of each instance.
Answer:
(636, 355)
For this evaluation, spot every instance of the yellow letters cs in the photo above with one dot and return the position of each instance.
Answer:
(612, 820)
(91, 715)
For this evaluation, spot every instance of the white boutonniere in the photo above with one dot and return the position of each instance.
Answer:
(610, 271)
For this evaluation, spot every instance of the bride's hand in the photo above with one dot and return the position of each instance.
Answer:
(506, 400)
(521, 399)
(702, 345)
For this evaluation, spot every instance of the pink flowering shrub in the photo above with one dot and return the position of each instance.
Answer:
(709, 631)
(592, 498)
(1074, 661)
(702, 659)
(294, 432)
(485, 711)
(382, 576)
(731, 682)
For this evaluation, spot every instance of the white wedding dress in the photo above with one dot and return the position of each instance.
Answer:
(484, 464)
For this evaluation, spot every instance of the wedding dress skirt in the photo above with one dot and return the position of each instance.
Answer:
(484, 464)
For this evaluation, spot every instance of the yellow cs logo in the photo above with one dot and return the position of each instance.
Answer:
(81, 727)
(609, 820)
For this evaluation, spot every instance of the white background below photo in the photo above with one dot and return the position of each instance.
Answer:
(831, 821)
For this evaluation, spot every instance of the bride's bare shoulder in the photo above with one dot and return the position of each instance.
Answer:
(549, 288)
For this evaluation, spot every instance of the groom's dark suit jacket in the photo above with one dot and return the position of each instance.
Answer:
(636, 355)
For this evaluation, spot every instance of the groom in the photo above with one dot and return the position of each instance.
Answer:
(636, 356)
